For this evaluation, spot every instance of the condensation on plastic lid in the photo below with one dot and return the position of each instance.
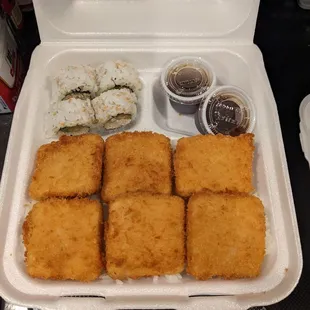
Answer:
(188, 79)
(227, 110)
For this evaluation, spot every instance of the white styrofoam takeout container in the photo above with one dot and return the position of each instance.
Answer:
(148, 33)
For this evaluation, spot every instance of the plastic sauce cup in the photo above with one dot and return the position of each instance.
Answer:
(227, 110)
(187, 81)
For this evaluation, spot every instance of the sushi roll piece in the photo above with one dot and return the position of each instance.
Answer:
(113, 74)
(73, 116)
(74, 80)
(115, 108)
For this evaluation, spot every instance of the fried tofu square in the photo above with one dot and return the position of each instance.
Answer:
(63, 239)
(225, 236)
(136, 161)
(145, 236)
(218, 163)
(69, 167)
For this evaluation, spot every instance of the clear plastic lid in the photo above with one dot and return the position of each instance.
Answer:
(187, 79)
(74, 20)
(304, 126)
(227, 110)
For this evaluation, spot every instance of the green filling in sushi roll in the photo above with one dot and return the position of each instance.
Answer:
(74, 79)
(78, 129)
(72, 116)
(115, 108)
(78, 95)
(118, 121)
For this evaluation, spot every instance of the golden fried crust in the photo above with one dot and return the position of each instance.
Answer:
(136, 161)
(63, 239)
(69, 167)
(225, 236)
(145, 236)
(218, 163)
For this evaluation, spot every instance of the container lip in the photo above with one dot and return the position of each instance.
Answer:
(247, 100)
(186, 100)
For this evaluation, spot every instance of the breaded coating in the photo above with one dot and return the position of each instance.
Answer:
(136, 161)
(145, 236)
(69, 167)
(217, 163)
(225, 236)
(63, 239)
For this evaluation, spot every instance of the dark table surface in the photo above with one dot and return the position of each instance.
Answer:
(283, 35)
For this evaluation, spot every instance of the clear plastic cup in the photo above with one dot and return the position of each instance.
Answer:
(187, 81)
(227, 110)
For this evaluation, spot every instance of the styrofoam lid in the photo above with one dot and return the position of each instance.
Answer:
(76, 20)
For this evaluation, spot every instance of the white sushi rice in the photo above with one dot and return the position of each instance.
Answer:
(115, 108)
(79, 78)
(118, 73)
(73, 113)
(155, 279)
(105, 277)
(130, 281)
(177, 278)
